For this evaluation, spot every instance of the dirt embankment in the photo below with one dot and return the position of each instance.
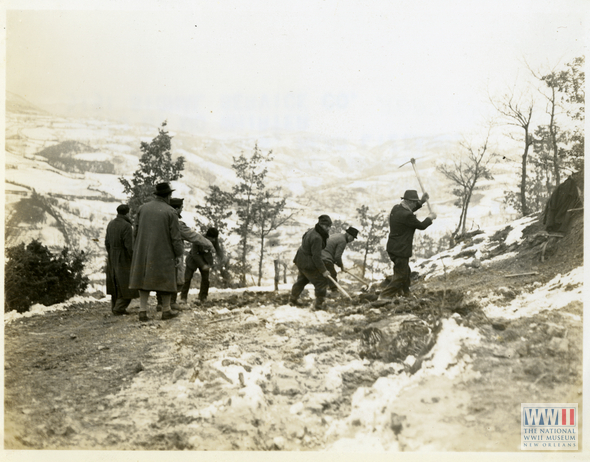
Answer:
(248, 372)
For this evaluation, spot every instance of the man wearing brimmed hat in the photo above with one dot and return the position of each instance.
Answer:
(332, 254)
(402, 225)
(188, 235)
(310, 264)
(119, 244)
(158, 245)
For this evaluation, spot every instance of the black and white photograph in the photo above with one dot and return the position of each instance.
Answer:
(342, 227)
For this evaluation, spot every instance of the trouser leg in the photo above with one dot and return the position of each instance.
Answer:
(204, 263)
(299, 285)
(121, 305)
(204, 290)
(165, 297)
(401, 277)
(143, 300)
(405, 273)
(188, 276)
(320, 284)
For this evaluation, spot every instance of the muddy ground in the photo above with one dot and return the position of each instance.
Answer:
(249, 372)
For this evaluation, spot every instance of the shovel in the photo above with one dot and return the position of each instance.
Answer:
(339, 287)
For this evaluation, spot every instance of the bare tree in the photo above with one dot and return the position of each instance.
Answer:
(518, 112)
(465, 170)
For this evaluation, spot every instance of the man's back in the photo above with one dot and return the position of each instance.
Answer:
(157, 244)
(402, 225)
(335, 246)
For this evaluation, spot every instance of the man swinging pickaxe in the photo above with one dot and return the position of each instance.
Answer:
(402, 225)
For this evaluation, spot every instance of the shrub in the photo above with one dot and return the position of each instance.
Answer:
(34, 275)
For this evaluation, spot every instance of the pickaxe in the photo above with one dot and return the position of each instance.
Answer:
(362, 281)
(413, 161)
(339, 287)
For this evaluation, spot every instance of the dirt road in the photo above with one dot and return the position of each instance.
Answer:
(249, 372)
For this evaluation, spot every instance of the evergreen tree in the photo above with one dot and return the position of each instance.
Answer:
(217, 209)
(155, 166)
(251, 172)
(374, 227)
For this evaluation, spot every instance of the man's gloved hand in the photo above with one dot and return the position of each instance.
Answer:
(326, 274)
(178, 262)
(425, 197)
(432, 216)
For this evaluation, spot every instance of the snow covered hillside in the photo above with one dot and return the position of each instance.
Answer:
(319, 176)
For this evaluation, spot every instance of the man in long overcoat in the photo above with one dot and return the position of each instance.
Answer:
(310, 264)
(332, 254)
(119, 244)
(402, 225)
(157, 248)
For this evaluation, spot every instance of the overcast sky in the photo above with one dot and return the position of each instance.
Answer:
(356, 69)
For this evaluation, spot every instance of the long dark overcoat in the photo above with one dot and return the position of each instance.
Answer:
(119, 244)
(402, 225)
(157, 245)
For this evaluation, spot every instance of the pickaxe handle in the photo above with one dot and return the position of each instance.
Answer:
(356, 277)
(420, 181)
(339, 287)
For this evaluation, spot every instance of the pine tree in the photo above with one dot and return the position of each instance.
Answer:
(155, 166)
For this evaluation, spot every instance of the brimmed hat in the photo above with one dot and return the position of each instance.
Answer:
(324, 220)
(176, 202)
(352, 231)
(163, 189)
(123, 209)
(411, 195)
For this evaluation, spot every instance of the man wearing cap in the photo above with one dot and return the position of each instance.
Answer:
(158, 245)
(310, 264)
(402, 225)
(188, 235)
(332, 254)
(201, 258)
(119, 244)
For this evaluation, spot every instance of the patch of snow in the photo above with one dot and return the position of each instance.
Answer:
(515, 236)
(369, 405)
(333, 380)
(287, 313)
(557, 293)
(38, 309)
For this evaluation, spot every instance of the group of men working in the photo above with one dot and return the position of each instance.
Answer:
(149, 256)
(319, 251)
